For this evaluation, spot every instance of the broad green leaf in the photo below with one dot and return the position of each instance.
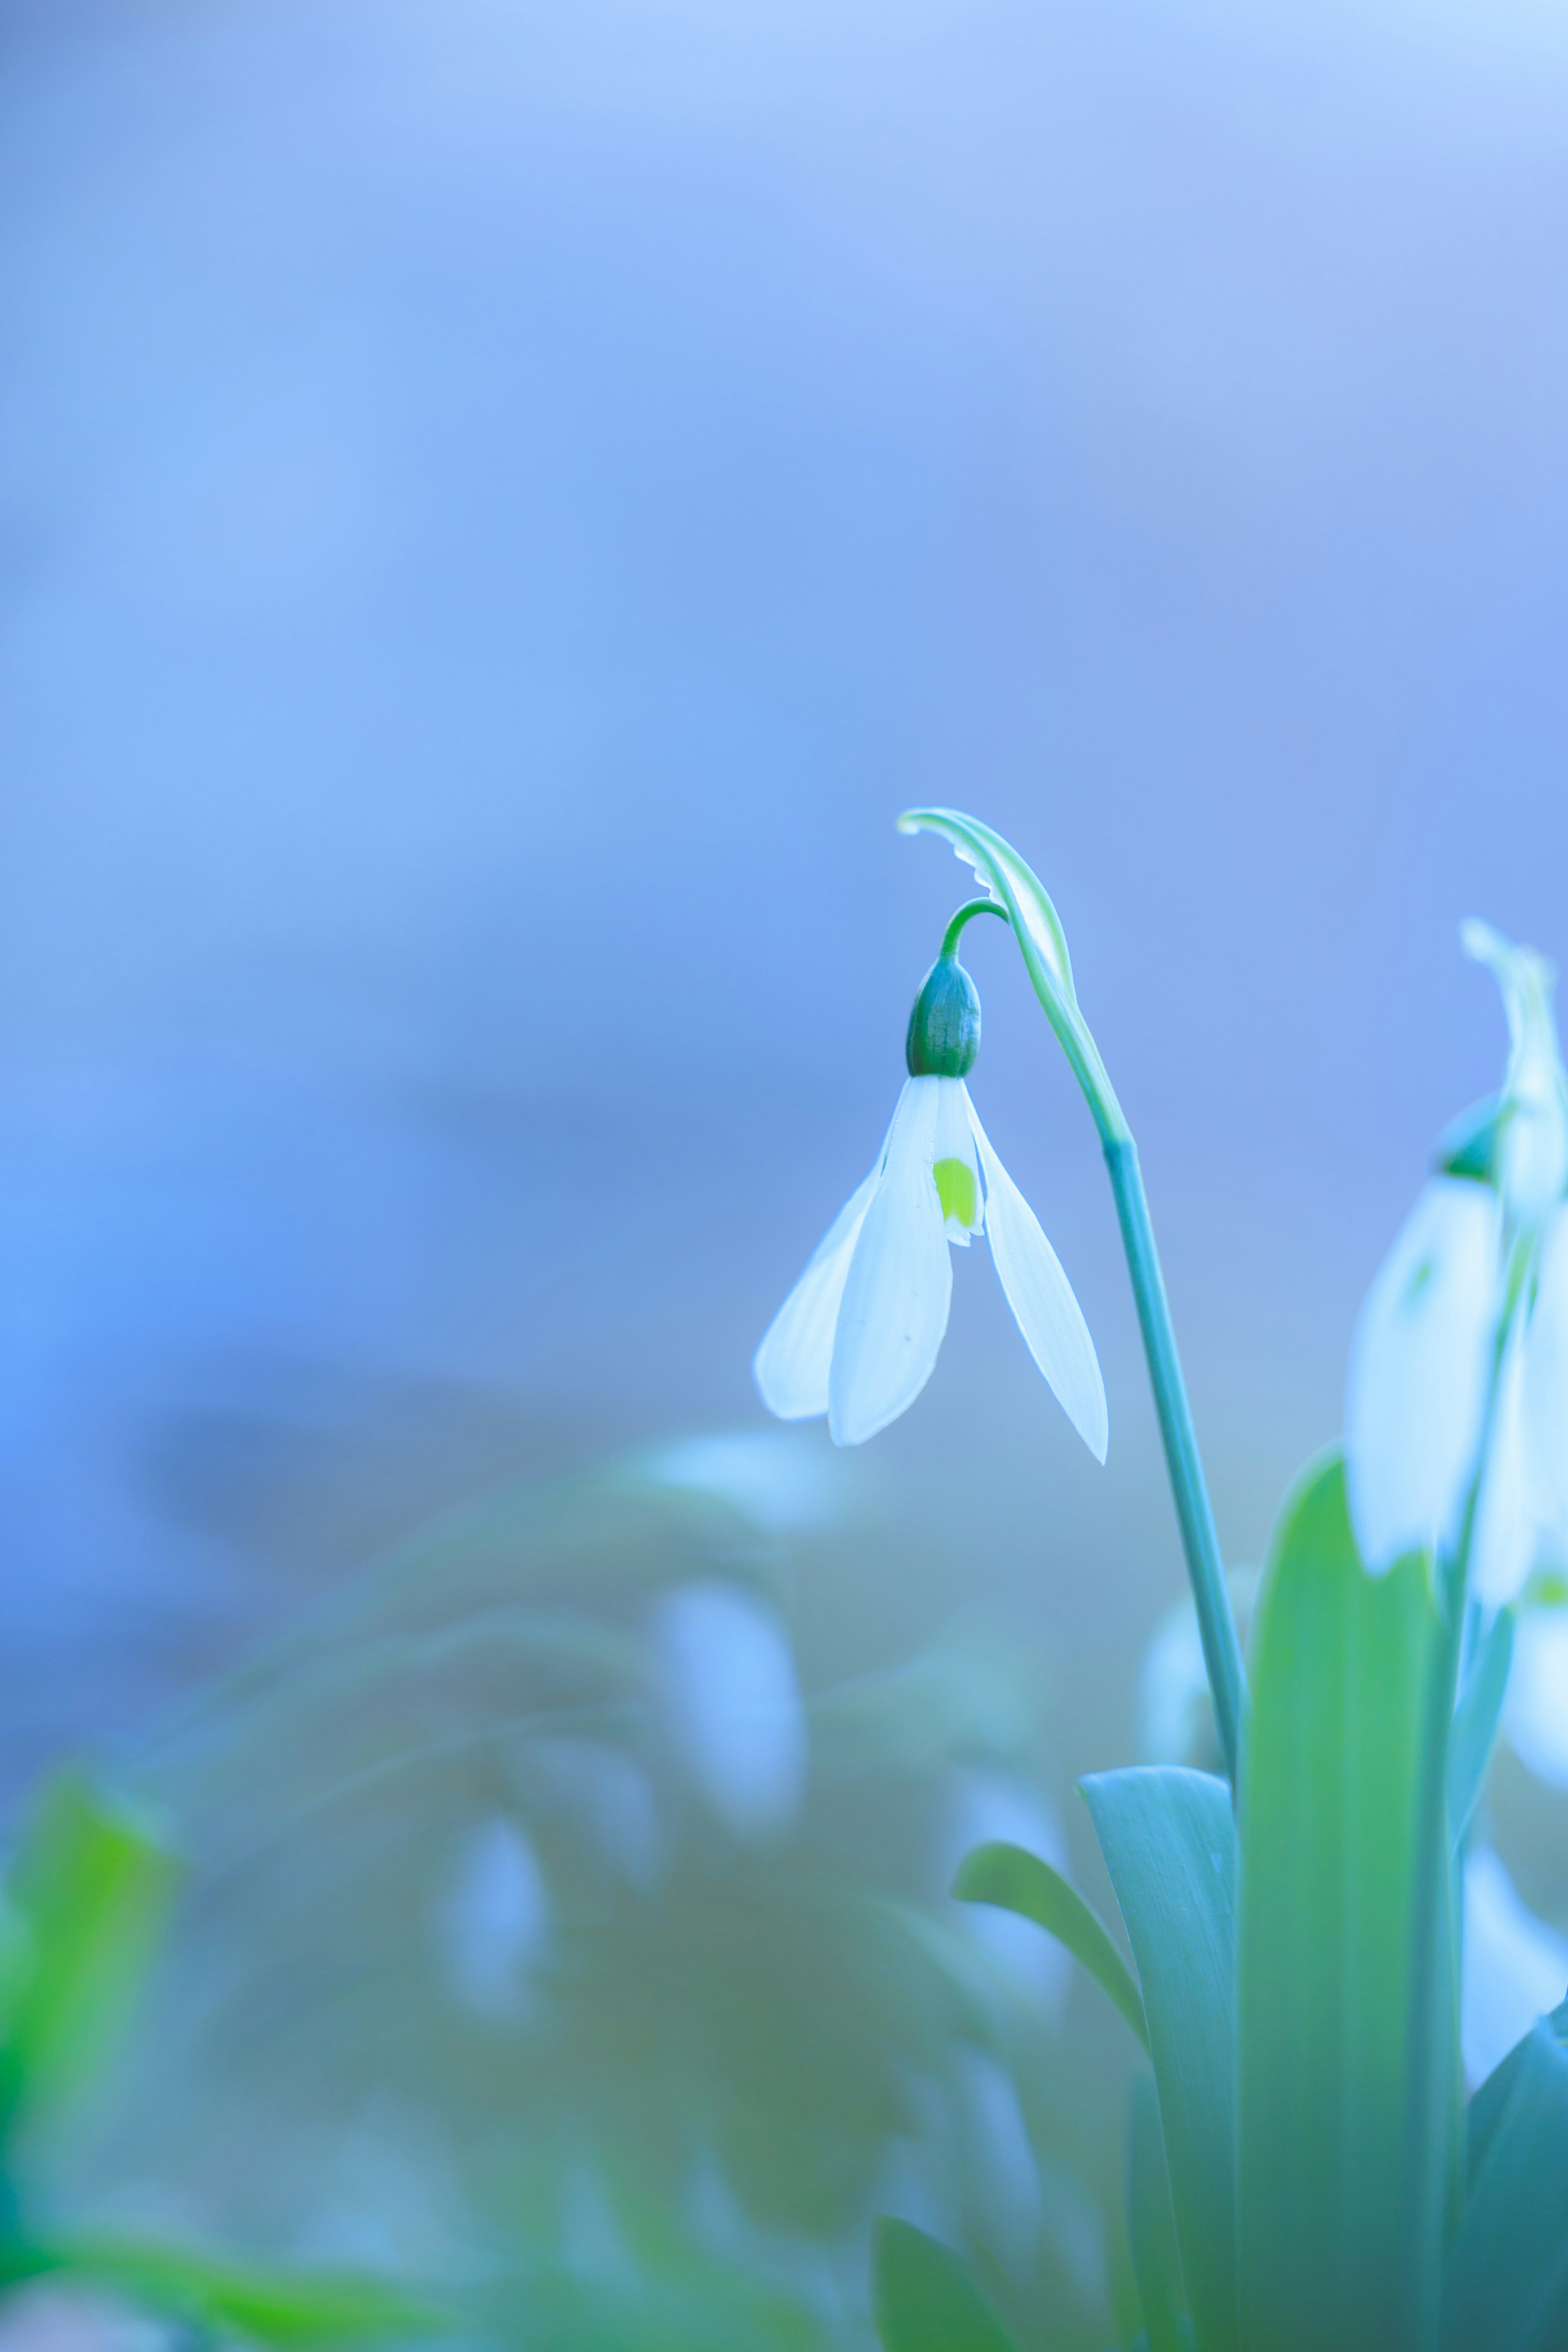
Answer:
(1474, 1733)
(926, 2299)
(85, 1902)
(1016, 1880)
(1041, 939)
(1152, 2225)
(1169, 1841)
(1506, 2282)
(1343, 2033)
(292, 2310)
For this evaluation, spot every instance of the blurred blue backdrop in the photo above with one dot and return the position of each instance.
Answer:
(504, 504)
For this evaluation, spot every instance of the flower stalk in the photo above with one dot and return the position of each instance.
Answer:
(1183, 1462)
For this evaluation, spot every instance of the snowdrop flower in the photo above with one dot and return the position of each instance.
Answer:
(1535, 1716)
(725, 1675)
(1475, 1292)
(859, 1335)
(1516, 1966)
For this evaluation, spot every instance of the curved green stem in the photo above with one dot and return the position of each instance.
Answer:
(966, 914)
(1194, 1514)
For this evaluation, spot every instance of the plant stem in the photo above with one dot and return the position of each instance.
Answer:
(966, 914)
(1195, 1515)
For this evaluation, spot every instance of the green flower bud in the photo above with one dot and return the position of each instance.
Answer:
(944, 1027)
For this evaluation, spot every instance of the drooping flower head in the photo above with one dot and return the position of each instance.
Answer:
(1461, 1348)
(858, 1337)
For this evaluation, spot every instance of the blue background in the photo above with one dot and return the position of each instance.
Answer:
(503, 506)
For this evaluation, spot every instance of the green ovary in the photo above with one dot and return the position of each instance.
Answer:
(955, 1191)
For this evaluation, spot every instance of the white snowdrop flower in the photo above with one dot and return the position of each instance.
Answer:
(1422, 1361)
(726, 1678)
(1535, 1714)
(1534, 1141)
(1516, 1966)
(494, 1922)
(858, 1337)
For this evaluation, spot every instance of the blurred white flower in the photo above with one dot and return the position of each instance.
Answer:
(726, 1679)
(1000, 2160)
(1516, 1967)
(1535, 1717)
(495, 1919)
(1422, 1360)
(609, 1793)
(1176, 1709)
(859, 1335)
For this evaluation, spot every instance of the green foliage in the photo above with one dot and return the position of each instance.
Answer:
(1015, 1881)
(1343, 2040)
(926, 2298)
(1152, 2224)
(1506, 2282)
(85, 1899)
(84, 1902)
(1169, 1841)
(295, 2311)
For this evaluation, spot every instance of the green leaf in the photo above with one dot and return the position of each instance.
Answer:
(1038, 932)
(84, 1902)
(1169, 1841)
(1490, 2102)
(1016, 1880)
(1152, 2225)
(1344, 2039)
(1506, 2282)
(293, 2310)
(1474, 1733)
(926, 2299)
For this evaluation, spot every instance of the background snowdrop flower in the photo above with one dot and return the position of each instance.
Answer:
(1424, 1354)
(1516, 1966)
(858, 1337)
(1535, 1716)
(724, 1672)
(1420, 1365)
(1532, 1142)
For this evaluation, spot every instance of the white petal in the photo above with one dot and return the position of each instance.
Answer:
(1535, 1716)
(1418, 1371)
(791, 1366)
(1042, 1301)
(1502, 1550)
(1546, 1393)
(1534, 1154)
(1516, 1967)
(495, 1920)
(900, 1286)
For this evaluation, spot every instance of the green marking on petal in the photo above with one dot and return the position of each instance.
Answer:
(955, 1191)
